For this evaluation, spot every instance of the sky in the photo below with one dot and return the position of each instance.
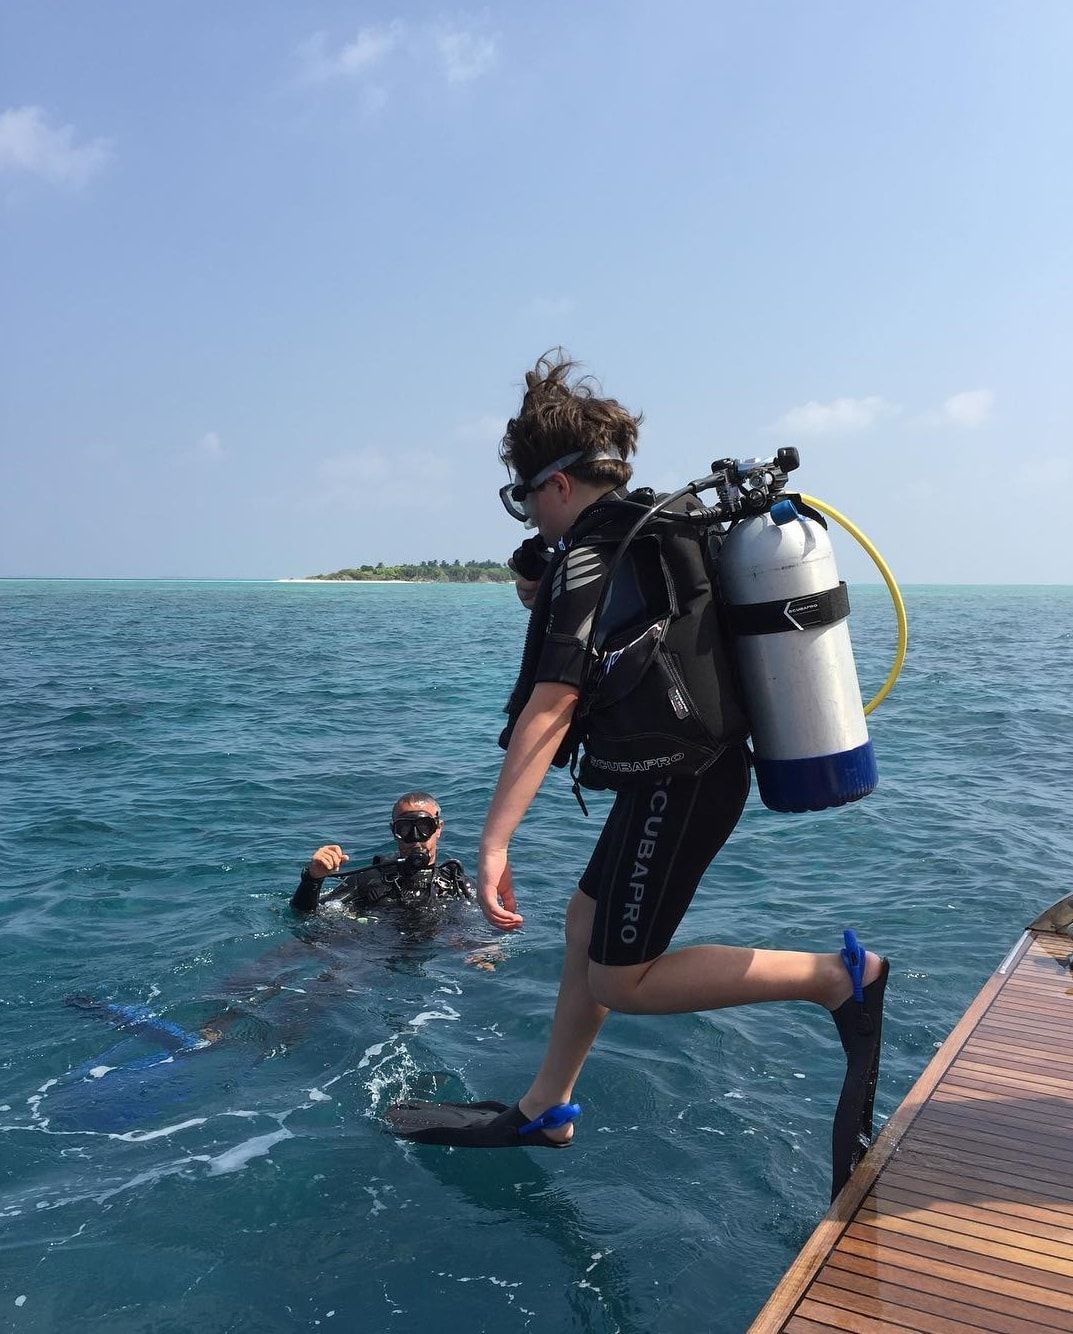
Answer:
(271, 274)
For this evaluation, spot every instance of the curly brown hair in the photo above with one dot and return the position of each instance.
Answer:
(560, 415)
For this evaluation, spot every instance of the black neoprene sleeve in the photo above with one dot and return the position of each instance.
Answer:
(307, 896)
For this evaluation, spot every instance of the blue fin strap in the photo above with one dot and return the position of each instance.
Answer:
(853, 956)
(559, 1115)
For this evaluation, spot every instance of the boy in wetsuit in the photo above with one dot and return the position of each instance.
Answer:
(413, 878)
(568, 450)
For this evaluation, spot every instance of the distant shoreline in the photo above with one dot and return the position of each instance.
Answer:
(426, 583)
(414, 572)
(357, 581)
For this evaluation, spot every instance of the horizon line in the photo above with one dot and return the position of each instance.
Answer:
(307, 580)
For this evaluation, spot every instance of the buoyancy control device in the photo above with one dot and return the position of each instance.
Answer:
(660, 696)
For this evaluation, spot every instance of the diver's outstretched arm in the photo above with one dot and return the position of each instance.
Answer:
(541, 729)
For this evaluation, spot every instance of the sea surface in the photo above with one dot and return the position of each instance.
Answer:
(173, 752)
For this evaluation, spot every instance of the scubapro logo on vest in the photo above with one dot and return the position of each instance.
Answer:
(637, 766)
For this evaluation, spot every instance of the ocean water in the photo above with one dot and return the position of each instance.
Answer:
(172, 754)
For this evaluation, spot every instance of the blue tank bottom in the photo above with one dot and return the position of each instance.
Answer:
(818, 783)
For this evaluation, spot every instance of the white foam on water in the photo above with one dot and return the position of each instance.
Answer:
(6, 1107)
(99, 1071)
(428, 1016)
(143, 1136)
(20, 1301)
(34, 1101)
(233, 1160)
(504, 1284)
(389, 1074)
(367, 1056)
(143, 1178)
(315, 1095)
(479, 1278)
(342, 1075)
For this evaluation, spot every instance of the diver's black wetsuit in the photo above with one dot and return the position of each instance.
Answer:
(386, 883)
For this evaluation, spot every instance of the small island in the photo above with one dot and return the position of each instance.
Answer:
(426, 572)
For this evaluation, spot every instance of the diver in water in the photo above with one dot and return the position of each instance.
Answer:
(412, 878)
(664, 674)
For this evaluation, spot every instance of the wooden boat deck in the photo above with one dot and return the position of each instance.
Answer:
(960, 1218)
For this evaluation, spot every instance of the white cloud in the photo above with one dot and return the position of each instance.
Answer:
(465, 56)
(208, 448)
(842, 416)
(969, 409)
(28, 143)
(359, 479)
(460, 55)
(371, 47)
(358, 467)
(549, 307)
(485, 429)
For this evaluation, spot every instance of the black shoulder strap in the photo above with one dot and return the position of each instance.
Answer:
(457, 873)
(371, 883)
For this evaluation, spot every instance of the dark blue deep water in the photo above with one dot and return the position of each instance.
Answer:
(173, 751)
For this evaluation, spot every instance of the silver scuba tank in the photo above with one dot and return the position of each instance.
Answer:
(788, 612)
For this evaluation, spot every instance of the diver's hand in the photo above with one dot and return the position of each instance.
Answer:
(495, 889)
(528, 564)
(326, 860)
(526, 590)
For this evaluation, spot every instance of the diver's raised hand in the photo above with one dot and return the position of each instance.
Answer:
(326, 860)
(526, 590)
(528, 564)
(495, 889)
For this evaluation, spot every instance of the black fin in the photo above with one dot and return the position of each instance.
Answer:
(860, 1028)
(466, 1125)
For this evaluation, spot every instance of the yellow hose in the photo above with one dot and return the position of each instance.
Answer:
(895, 593)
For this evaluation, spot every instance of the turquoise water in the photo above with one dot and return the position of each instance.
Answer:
(174, 751)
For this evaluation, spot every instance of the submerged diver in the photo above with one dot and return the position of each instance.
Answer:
(662, 675)
(412, 878)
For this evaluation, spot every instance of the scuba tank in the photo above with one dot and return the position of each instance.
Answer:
(788, 613)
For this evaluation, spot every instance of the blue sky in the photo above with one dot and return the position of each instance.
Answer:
(272, 273)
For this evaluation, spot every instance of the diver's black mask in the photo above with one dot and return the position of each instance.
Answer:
(415, 828)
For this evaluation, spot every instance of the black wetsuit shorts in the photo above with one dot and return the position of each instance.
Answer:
(658, 841)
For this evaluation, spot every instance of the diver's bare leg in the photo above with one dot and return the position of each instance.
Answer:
(713, 977)
(577, 1021)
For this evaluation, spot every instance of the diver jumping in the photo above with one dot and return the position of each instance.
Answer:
(628, 660)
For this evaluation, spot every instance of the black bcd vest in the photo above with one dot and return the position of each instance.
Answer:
(660, 696)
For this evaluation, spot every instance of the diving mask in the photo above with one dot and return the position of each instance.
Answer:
(515, 495)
